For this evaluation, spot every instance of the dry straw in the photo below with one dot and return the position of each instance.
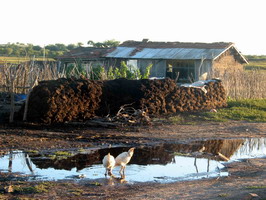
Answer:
(239, 84)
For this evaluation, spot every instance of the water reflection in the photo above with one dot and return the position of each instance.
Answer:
(161, 163)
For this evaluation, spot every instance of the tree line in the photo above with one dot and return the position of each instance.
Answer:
(50, 51)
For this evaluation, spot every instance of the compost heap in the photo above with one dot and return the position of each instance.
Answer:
(65, 100)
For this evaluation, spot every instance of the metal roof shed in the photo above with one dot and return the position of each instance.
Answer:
(185, 59)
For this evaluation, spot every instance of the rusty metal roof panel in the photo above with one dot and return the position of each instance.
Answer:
(165, 53)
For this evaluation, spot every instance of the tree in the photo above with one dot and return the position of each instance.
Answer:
(111, 43)
(29, 49)
(90, 43)
(105, 44)
(9, 51)
(37, 48)
(71, 46)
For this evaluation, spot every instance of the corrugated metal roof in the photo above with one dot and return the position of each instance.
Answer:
(197, 45)
(165, 53)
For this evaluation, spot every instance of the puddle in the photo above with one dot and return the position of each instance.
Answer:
(163, 163)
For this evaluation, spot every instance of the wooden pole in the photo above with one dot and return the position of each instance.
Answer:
(13, 73)
(12, 101)
(27, 99)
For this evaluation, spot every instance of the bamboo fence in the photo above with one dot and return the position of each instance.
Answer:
(21, 78)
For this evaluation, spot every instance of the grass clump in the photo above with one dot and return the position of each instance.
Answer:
(176, 119)
(40, 188)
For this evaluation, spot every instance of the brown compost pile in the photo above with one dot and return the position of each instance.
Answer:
(65, 100)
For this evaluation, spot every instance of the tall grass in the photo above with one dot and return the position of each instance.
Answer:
(239, 84)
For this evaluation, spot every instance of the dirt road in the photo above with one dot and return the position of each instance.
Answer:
(247, 179)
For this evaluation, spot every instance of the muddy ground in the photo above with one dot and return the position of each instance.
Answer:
(247, 178)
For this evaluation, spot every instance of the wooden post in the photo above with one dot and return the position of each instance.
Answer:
(12, 74)
(12, 101)
(28, 97)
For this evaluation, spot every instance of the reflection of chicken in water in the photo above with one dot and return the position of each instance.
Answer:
(115, 180)
(122, 160)
(108, 163)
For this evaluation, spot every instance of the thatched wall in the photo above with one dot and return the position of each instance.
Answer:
(227, 62)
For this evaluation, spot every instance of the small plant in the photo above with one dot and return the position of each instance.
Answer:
(110, 73)
(124, 71)
(147, 72)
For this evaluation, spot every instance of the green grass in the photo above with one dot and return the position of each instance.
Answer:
(19, 60)
(252, 110)
(256, 66)
(256, 63)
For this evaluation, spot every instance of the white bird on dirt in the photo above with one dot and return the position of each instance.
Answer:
(108, 163)
(122, 160)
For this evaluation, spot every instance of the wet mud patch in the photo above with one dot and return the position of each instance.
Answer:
(162, 163)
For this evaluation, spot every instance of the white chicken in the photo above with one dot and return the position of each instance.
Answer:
(108, 163)
(122, 160)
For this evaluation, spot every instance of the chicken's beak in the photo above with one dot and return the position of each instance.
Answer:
(132, 149)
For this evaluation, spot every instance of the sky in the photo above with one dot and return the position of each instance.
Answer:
(43, 22)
